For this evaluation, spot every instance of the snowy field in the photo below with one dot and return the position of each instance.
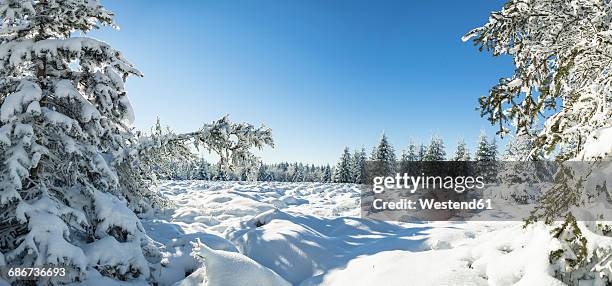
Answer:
(311, 234)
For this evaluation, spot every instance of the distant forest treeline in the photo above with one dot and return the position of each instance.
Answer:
(350, 166)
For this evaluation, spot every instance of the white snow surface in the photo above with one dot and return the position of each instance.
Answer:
(307, 234)
(231, 268)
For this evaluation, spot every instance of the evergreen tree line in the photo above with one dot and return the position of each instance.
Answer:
(201, 169)
(351, 167)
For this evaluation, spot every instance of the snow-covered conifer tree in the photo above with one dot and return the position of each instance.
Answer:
(202, 170)
(411, 153)
(462, 153)
(462, 165)
(263, 174)
(314, 174)
(291, 171)
(283, 168)
(64, 114)
(71, 174)
(404, 162)
(485, 157)
(492, 149)
(436, 150)
(384, 154)
(307, 173)
(482, 150)
(422, 152)
(561, 88)
(327, 174)
(298, 175)
(435, 153)
(408, 160)
(342, 172)
(358, 166)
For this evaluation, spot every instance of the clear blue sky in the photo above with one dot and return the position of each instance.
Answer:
(322, 74)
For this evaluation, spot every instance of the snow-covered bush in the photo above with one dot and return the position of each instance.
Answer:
(72, 173)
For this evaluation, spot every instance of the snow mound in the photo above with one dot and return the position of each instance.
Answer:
(176, 247)
(504, 257)
(310, 234)
(400, 268)
(298, 247)
(197, 278)
(205, 210)
(94, 278)
(224, 268)
(125, 256)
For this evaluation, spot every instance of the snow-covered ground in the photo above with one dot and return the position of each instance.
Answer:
(269, 234)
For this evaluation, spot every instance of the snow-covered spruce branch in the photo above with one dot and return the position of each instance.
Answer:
(561, 89)
(231, 141)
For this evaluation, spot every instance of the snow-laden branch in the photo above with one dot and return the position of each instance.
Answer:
(560, 91)
(231, 141)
